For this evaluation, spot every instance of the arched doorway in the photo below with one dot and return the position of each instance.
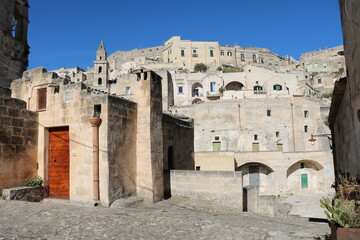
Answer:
(235, 86)
(197, 90)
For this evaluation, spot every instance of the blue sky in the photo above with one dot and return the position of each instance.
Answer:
(67, 33)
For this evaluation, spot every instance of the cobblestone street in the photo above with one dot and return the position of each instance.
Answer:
(170, 219)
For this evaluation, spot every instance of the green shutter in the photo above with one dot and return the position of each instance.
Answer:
(304, 181)
(216, 146)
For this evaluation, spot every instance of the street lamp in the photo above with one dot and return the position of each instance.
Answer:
(312, 140)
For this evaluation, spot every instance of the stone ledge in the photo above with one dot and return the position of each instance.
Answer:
(31, 194)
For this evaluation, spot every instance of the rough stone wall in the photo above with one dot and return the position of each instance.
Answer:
(121, 147)
(346, 131)
(178, 138)
(14, 49)
(222, 188)
(18, 141)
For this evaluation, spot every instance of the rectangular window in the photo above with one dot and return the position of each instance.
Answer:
(268, 113)
(306, 128)
(302, 165)
(319, 80)
(217, 138)
(211, 52)
(197, 168)
(306, 113)
(254, 58)
(255, 147)
(183, 52)
(41, 99)
(194, 53)
(255, 137)
(127, 90)
(212, 87)
(242, 57)
(277, 134)
(180, 89)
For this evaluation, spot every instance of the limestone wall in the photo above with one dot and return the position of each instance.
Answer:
(14, 49)
(18, 141)
(121, 147)
(219, 187)
(178, 143)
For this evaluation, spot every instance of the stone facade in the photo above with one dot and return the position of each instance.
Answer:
(344, 114)
(14, 49)
(18, 141)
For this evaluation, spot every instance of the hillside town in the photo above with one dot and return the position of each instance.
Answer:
(240, 128)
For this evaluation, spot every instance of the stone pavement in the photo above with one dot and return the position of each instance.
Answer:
(175, 218)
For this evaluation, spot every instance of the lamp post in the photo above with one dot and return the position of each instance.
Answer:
(312, 140)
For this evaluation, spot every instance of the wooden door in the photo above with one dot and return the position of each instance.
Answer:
(59, 164)
(304, 181)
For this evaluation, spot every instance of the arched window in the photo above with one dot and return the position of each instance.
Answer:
(100, 69)
(277, 87)
(258, 89)
(254, 58)
(99, 81)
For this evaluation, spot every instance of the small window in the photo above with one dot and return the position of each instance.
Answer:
(217, 138)
(128, 90)
(302, 165)
(255, 137)
(183, 52)
(229, 54)
(212, 87)
(211, 52)
(306, 128)
(254, 58)
(180, 89)
(100, 69)
(268, 113)
(222, 53)
(78, 79)
(319, 80)
(277, 87)
(197, 168)
(41, 99)
(277, 134)
(99, 81)
(242, 57)
(195, 53)
(258, 89)
(306, 112)
(270, 64)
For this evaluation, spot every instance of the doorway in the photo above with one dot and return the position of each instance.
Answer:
(59, 162)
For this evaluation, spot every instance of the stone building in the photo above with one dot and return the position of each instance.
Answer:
(14, 49)
(266, 139)
(135, 140)
(345, 114)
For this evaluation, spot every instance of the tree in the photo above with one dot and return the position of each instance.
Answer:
(200, 67)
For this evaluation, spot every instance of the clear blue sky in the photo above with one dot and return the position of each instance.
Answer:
(67, 33)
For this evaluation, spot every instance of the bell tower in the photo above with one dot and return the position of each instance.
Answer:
(101, 67)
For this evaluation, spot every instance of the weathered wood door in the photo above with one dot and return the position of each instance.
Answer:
(59, 164)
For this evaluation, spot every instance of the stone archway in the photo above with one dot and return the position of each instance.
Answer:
(235, 86)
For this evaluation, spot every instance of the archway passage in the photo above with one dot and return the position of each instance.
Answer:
(237, 86)
(256, 174)
(196, 101)
(197, 90)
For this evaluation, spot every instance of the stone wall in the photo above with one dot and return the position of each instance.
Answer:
(14, 49)
(219, 187)
(121, 147)
(18, 141)
(345, 110)
(178, 142)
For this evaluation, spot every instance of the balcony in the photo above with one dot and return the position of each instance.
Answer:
(213, 95)
(195, 55)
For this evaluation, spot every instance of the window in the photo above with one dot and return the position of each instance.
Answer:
(217, 138)
(262, 60)
(277, 87)
(211, 52)
(268, 113)
(255, 147)
(302, 165)
(306, 112)
(255, 137)
(254, 58)
(99, 81)
(195, 53)
(276, 65)
(180, 89)
(277, 134)
(100, 69)
(258, 89)
(270, 64)
(242, 57)
(127, 90)
(41, 99)
(216, 146)
(229, 54)
(212, 87)
(197, 168)
(183, 52)
(280, 147)
(319, 80)
(306, 128)
(222, 53)
(78, 79)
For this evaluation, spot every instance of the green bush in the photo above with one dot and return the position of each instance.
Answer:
(33, 182)
(327, 95)
(200, 67)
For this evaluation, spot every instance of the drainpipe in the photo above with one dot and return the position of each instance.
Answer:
(292, 124)
(95, 124)
(239, 116)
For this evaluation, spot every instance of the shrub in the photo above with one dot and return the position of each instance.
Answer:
(200, 67)
(32, 182)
